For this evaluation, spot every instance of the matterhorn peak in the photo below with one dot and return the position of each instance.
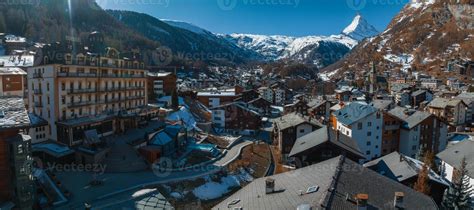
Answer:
(359, 29)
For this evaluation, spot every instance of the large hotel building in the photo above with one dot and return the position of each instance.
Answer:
(87, 94)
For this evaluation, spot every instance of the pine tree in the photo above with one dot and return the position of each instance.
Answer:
(458, 195)
(174, 100)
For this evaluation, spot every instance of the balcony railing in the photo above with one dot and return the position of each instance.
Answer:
(76, 74)
(80, 103)
(37, 91)
(79, 91)
(37, 75)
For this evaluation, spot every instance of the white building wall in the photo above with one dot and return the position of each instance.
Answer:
(448, 174)
(371, 145)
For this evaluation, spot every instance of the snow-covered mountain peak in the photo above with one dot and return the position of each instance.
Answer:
(360, 29)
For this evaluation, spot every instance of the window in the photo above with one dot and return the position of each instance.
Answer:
(301, 130)
(413, 147)
(20, 149)
(369, 143)
(359, 126)
(369, 124)
(369, 133)
(367, 152)
(63, 86)
(63, 99)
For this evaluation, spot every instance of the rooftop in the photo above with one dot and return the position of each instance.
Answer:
(400, 168)
(11, 71)
(443, 103)
(455, 153)
(354, 112)
(411, 118)
(323, 135)
(13, 113)
(331, 184)
(293, 119)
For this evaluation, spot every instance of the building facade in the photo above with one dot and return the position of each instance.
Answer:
(103, 93)
(160, 84)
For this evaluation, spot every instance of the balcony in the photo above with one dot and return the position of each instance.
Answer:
(37, 75)
(76, 74)
(37, 91)
(79, 91)
(80, 103)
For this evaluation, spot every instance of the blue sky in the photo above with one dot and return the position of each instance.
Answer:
(270, 17)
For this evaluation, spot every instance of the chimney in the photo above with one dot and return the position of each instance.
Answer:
(398, 200)
(269, 185)
(362, 200)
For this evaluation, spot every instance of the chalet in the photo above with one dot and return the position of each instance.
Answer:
(323, 144)
(420, 96)
(290, 127)
(452, 111)
(236, 117)
(299, 106)
(419, 129)
(468, 99)
(319, 108)
(337, 183)
(262, 106)
(405, 170)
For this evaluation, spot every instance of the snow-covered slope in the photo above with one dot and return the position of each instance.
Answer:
(318, 50)
(360, 29)
(425, 36)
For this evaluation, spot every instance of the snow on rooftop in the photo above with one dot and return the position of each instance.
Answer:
(17, 61)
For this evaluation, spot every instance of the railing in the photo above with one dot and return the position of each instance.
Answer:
(76, 74)
(81, 103)
(78, 91)
(37, 91)
(37, 75)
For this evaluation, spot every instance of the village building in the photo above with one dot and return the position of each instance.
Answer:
(452, 111)
(101, 93)
(419, 130)
(160, 84)
(405, 170)
(322, 144)
(363, 123)
(290, 127)
(337, 183)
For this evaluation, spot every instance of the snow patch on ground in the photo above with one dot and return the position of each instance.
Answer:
(212, 190)
(327, 76)
(403, 59)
